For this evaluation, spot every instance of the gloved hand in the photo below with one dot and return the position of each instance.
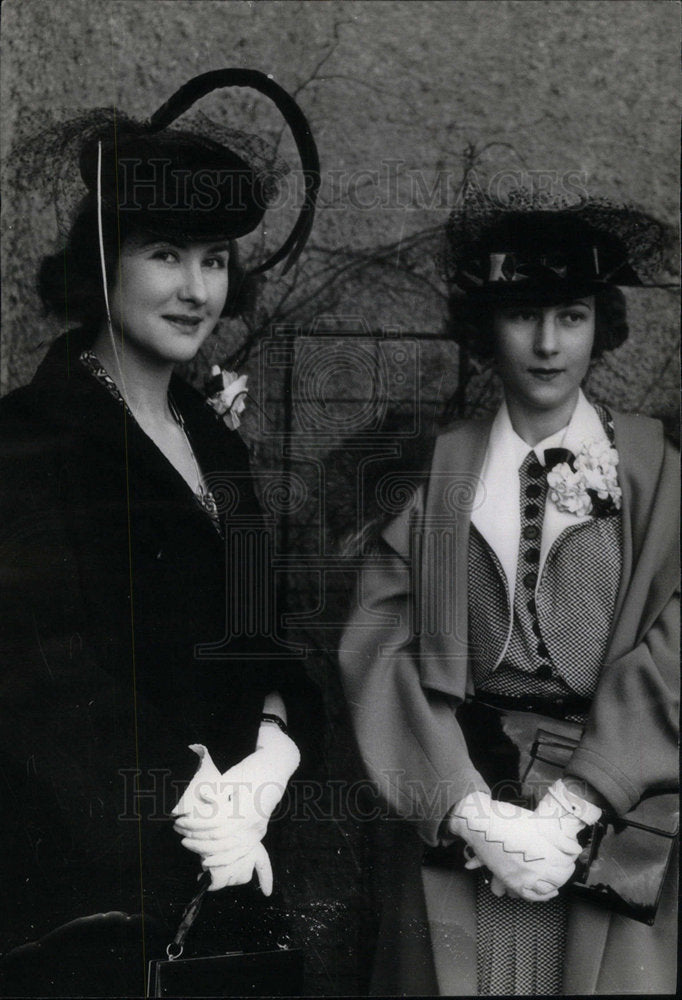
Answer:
(496, 885)
(508, 840)
(239, 871)
(563, 814)
(224, 817)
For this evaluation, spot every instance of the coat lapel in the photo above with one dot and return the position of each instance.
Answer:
(443, 556)
(495, 491)
(67, 390)
(650, 530)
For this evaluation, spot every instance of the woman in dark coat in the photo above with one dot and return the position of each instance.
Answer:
(131, 544)
(530, 580)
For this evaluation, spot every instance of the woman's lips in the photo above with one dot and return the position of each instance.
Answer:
(545, 374)
(187, 323)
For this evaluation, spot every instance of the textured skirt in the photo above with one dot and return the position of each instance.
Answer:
(520, 946)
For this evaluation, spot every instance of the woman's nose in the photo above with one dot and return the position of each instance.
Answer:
(545, 342)
(193, 287)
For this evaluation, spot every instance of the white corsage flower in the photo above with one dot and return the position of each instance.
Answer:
(589, 485)
(228, 392)
(566, 490)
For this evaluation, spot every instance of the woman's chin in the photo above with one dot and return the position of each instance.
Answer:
(544, 397)
(177, 349)
(185, 354)
(548, 401)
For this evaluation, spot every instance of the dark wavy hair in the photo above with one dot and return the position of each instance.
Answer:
(472, 322)
(70, 281)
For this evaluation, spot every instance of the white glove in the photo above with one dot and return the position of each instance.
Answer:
(508, 840)
(240, 871)
(496, 885)
(563, 814)
(224, 817)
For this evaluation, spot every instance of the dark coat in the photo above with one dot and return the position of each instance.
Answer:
(113, 576)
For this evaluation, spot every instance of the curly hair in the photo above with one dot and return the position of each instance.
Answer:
(472, 322)
(70, 281)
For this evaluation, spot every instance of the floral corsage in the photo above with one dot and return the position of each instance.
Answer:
(226, 394)
(588, 484)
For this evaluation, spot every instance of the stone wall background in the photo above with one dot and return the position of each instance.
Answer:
(401, 97)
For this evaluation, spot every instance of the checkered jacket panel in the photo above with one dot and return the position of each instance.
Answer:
(574, 610)
(576, 599)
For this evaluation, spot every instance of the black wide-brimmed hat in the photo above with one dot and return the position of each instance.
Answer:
(525, 250)
(196, 180)
(175, 182)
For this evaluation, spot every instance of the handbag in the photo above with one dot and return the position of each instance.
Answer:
(234, 974)
(624, 860)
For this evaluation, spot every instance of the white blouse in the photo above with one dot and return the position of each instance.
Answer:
(494, 516)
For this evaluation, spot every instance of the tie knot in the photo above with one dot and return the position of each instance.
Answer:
(533, 467)
(555, 456)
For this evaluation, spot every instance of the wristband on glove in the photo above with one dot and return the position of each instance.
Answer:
(572, 804)
(275, 719)
(282, 753)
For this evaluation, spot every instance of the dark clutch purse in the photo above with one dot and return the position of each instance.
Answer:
(234, 974)
(624, 860)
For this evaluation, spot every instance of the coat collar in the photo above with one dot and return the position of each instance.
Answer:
(82, 413)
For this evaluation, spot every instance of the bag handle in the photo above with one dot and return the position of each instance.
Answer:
(176, 947)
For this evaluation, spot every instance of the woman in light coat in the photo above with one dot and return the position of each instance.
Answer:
(540, 582)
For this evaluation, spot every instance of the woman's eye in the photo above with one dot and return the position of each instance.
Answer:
(167, 256)
(573, 318)
(521, 316)
(216, 263)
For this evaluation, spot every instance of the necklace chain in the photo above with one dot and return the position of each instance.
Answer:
(204, 496)
(177, 417)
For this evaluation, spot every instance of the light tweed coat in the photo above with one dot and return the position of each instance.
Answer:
(405, 669)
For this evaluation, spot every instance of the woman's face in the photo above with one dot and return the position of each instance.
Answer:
(168, 297)
(543, 353)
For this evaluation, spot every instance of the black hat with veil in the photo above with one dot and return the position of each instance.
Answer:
(178, 175)
(531, 247)
(195, 181)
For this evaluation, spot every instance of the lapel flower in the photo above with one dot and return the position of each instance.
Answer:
(226, 394)
(588, 484)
